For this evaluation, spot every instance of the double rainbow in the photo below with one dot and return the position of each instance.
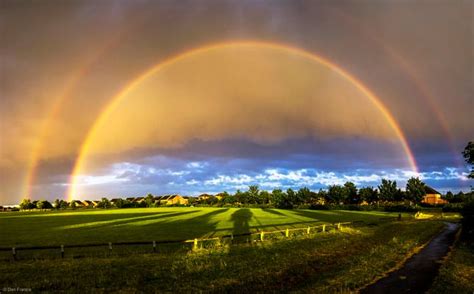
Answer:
(116, 100)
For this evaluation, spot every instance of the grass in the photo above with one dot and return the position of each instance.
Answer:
(339, 261)
(146, 224)
(457, 274)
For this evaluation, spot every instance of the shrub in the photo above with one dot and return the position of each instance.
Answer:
(468, 220)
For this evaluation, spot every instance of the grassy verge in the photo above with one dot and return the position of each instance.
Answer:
(326, 262)
(457, 274)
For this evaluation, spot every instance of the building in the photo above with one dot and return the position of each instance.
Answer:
(432, 197)
(203, 197)
(88, 203)
(77, 203)
(172, 200)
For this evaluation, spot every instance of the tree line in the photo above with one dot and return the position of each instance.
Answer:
(348, 194)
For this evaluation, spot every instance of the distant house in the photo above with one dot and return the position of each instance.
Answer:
(131, 199)
(139, 200)
(87, 203)
(220, 196)
(203, 197)
(432, 197)
(77, 203)
(171, 200)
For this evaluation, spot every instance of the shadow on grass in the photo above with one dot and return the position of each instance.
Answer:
(274, 211)
(194, 227)
(241, 219)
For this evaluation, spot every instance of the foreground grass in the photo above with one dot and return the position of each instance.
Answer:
(323, 262)
(457, 274)
(146, 224)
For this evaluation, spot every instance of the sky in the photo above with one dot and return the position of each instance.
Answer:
(123, 98)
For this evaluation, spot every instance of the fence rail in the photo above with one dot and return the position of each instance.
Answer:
(196, 241)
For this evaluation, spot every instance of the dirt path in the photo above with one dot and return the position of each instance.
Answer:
(418, 273)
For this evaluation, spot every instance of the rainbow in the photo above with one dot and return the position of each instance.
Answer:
(65, 95)
(116, 100)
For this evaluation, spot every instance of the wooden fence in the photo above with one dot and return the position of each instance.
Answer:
(61, 249)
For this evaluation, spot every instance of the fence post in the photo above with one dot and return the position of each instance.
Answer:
(14, 253)
(261, 236)
(287, 233)
(324, 228)
(195, 246)
(110, 246)
(62, 251)
(154, 246)
(338, 226)
(307, 231)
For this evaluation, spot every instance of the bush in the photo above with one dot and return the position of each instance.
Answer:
(468, 220)
(401, 208)
(453, 207)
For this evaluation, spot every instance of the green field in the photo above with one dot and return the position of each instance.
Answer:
(145, 224)
(338, 261)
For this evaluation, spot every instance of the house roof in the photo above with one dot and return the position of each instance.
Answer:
(429, 190)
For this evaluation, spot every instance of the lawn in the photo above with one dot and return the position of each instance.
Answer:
(145, 224)
(339, 261)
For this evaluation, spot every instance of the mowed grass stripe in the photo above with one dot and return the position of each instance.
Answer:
(168, 223)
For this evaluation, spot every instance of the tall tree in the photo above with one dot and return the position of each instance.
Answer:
(369, 195)
(415, 189)
(388, 190)
(350, 193)
(27, 204)
(336, 194)
(468, 154)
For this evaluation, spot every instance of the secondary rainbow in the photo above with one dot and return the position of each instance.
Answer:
(115, 101)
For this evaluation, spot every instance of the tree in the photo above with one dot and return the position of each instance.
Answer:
(43, 204)
(104, 203)
(449, 196)
(253, 194)
(468, 154)
(415, 189)
(26, 204)
(350, 193)
(57, 204)
(369, 195)
(149, 199)
(63, 204)
(281, 198)
(303, 196)
(119, 203)
(336, 194)
(264, 197)
(388, 190)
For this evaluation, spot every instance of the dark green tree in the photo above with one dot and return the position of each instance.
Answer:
(44, 204)
(449, 196)
(336, 194)
(57, 204)
(281, 199)
(63, 204)
(27, 204)
(350, 193)
(104, 203)
(264, 197)
(415, 190)
(303, 196)
(369, 195)
(388, 190)
(149, 200)
(468, 154)
(253, 192)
